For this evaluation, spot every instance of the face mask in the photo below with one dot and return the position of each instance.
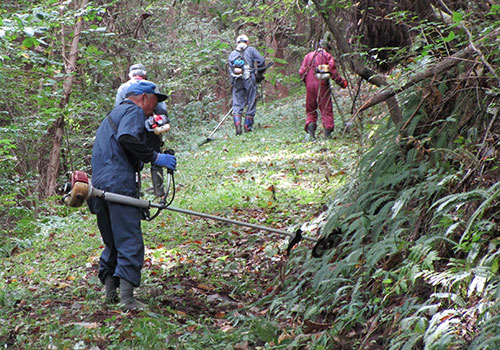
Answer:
(241, 46)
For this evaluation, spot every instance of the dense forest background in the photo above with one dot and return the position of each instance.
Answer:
(416, 236)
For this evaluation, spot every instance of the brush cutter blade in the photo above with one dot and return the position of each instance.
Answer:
(326, 243)
(204, 142)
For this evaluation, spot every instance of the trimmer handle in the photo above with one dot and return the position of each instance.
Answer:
(172, 152)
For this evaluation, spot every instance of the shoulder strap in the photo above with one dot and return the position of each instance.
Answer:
(112, 124)
(311, 62)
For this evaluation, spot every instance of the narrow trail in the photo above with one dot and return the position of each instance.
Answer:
(200, 275)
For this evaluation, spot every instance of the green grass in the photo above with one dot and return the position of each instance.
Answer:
(202, 278)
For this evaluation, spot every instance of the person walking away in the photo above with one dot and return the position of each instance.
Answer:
(244, 63)
(137, 72)
(119, 153)
(317, 68)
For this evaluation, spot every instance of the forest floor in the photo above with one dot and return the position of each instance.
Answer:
(203, 280)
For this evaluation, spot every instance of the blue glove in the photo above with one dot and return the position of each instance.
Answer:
(166, 160)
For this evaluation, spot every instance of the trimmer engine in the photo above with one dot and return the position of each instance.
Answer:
(78, 190)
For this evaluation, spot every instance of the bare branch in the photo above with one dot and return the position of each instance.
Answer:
(440, 67)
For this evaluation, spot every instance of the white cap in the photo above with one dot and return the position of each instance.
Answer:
(137, 70)
(137, 66)
(241, 39)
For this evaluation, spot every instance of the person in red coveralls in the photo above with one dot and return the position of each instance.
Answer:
(316, 71)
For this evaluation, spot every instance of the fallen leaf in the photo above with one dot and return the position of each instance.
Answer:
(226, 328)
(180, 313)
(312, 327)
(241, 346)
(204, 287)
(88, 325)
(285, 336)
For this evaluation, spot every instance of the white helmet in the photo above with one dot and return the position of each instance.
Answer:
(241, 39)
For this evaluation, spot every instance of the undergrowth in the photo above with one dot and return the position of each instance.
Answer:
(415, 257)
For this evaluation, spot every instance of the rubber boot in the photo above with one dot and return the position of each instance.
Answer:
(237, 123)
(127, 300)
(311, 130)
(248, 123)
(110, 285)
(328, 133)
(157, 180)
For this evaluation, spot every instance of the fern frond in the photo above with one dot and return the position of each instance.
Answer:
(490, 195)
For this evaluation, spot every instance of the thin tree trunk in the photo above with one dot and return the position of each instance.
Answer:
(355, 61)
(50, 180)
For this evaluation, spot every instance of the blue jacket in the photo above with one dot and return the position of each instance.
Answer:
(113, 168)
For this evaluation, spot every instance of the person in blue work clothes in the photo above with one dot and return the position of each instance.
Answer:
(137, 72)
(243, 61)
(119, 153)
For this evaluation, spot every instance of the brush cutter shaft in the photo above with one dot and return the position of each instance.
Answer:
(142, 203)
(220, 123)
(236, 222)
(82, 190)
(121, 199)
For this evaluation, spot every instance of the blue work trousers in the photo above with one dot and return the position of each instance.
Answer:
(120, 227)
(245, 94)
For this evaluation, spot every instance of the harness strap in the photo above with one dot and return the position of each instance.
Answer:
(112, 124)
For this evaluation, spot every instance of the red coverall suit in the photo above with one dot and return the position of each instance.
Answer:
(318, 91)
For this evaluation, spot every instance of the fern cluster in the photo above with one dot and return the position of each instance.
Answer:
(416, 262)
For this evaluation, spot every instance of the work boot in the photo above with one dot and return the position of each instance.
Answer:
(127, 300)
(237, 123)
(328, 133)
(248, 123)
(311, 130)
(110, 285)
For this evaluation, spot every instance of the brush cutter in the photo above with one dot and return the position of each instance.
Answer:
(209, 137)
(80, 189)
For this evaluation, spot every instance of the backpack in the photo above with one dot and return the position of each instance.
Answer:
(239, 67)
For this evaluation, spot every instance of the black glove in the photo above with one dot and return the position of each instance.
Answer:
(259, 75)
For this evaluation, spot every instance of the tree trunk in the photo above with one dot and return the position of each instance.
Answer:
(355, 62)
(50, 180)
